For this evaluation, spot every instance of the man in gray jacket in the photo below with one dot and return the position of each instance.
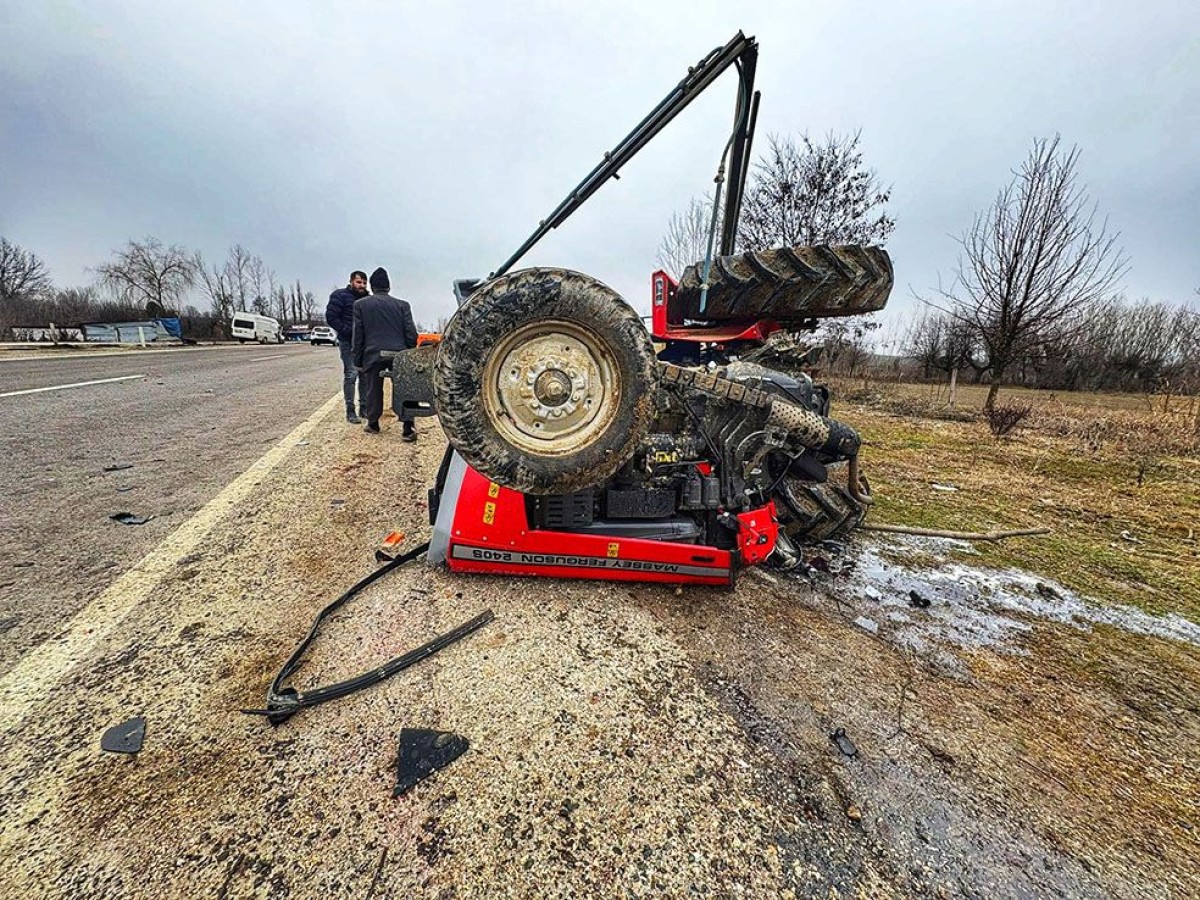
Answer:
(380, 322)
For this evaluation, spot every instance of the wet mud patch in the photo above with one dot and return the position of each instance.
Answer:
(912, 594)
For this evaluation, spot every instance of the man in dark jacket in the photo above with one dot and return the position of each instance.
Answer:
(339, 316)
(381, 322)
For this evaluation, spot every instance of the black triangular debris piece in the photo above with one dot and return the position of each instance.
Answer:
(128, 518)
(126, 737)
(423, 752)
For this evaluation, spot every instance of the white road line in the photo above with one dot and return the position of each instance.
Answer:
(63, 387)
(29, 682)
(97, 353)
(273, 356)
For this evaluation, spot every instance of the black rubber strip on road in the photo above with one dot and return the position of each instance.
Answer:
(284, 702)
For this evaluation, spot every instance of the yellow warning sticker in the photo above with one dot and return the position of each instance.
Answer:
(493, 490)
(489, 513)
(613, 550)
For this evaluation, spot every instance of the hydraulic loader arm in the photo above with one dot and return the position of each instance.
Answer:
(741, 51)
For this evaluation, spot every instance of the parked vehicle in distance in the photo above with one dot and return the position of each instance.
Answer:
(323, 334)
(299, 332)
(248, 326)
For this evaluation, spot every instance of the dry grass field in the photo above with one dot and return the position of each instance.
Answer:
(1117, 478)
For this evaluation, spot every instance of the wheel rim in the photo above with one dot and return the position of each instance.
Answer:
(551, 387)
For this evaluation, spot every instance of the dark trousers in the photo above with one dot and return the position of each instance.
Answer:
(349, 377)
(372, 392)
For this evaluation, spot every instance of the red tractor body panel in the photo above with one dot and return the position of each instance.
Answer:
(491, 534)
(667, 325)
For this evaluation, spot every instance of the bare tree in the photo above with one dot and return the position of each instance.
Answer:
(686, 240)
(80, 304)
(847, 345)
(279, 302)
(24, 280)
(1034, 261)
(302, 303)
(237, 276)
(149, 275)
(807, 193)
(259, 277)
(216, 286)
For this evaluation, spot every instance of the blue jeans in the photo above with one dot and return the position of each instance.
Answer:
(349, 377)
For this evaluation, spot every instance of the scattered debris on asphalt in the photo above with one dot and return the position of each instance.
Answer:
(423, 752)
(838, 736)
(126, 737)
(118, 467)
(389, 546)
(125, 487)
(918, 601)
(128, 518)
(868, 625)
(853, 813)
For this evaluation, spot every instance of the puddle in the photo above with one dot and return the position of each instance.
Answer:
(971, 606)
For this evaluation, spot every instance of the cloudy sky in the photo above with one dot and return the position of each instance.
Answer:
(432, 137)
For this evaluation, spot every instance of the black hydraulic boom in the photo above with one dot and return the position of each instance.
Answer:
(741, 51)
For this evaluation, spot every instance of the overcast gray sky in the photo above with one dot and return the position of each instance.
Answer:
(432, 137)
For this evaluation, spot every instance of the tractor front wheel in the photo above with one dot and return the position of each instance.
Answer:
(545, 381)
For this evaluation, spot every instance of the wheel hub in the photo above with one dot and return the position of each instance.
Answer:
(553, 387)
(550, 387)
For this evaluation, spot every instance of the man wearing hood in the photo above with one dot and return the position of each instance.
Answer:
(381, 322)
(339, 317)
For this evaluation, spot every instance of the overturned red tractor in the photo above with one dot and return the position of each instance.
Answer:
(584, 445)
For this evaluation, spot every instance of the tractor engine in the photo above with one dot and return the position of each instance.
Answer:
(722, 442)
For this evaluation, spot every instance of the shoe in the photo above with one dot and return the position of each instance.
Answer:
(352, 418)
(371, 428)
(409, 436)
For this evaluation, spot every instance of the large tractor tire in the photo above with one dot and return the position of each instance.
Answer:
(810, 512)
(545, 381)
(789, 284)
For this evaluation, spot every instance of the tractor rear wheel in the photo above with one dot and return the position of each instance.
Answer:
(544, 381)
(810, 512)
(789, 284)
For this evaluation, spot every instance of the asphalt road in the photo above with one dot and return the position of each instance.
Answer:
(188, 424)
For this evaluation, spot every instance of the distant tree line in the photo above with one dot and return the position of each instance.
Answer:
(148, 279)
(1113, 344)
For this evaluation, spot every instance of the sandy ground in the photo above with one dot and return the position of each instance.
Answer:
(626, 740)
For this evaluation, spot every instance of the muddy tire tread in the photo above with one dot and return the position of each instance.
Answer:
(790, 284)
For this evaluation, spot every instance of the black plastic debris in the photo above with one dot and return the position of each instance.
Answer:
(125, 487)
(917, 600)
(838, 736)
(423, 752)
(820, 563)
(128, 518)
(126, 737)
(118, 467)
(1046, 591)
